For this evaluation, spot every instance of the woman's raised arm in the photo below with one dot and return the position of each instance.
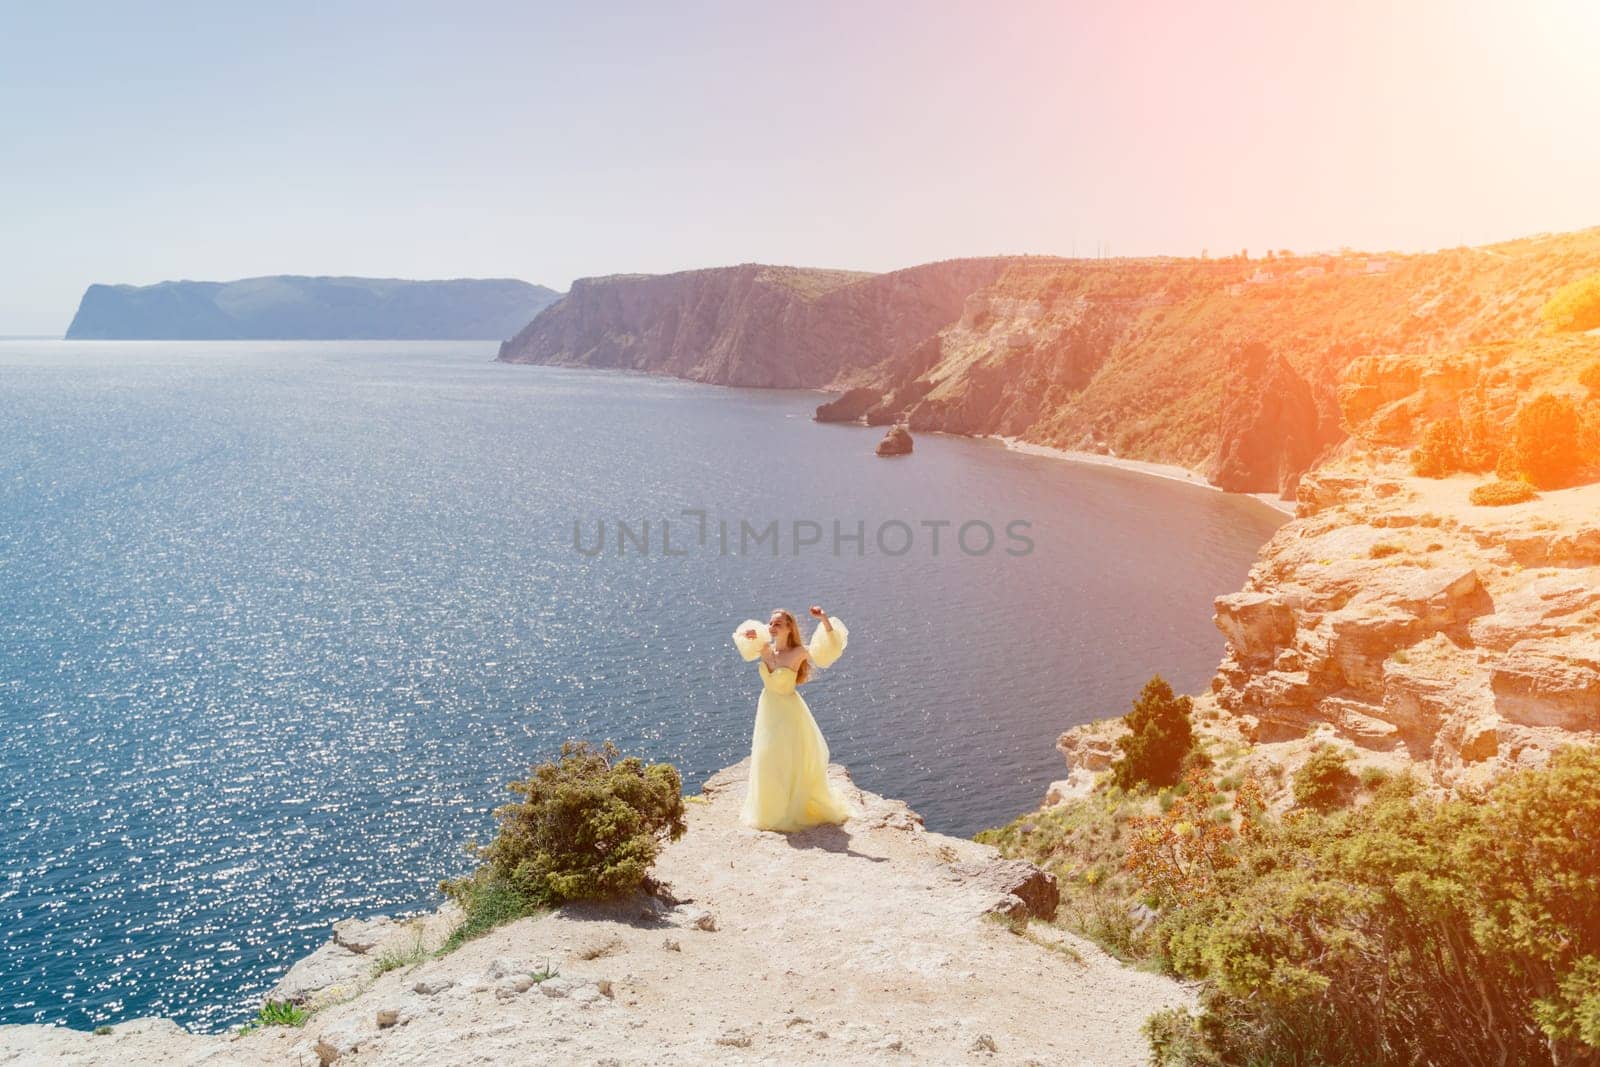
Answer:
(827, 644)
(750, 638)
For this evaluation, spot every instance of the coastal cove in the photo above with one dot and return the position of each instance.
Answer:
(285, 617)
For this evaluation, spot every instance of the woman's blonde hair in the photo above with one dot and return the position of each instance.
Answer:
(804, 671)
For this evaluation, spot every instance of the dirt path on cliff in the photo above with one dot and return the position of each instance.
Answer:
(866, 943)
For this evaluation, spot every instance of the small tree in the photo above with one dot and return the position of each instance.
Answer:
(1439, 452)
(1160, 736)
(1544, 442)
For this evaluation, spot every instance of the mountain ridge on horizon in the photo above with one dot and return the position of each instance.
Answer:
(309, 307)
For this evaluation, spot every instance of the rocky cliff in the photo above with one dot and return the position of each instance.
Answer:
(1227, 366)
(287, 307)
(751, 325)
(861, 944)
(1404, 616)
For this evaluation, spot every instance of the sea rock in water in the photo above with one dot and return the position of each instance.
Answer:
(897, 442)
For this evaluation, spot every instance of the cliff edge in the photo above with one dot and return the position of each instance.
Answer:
(871, 942)
(753, 324)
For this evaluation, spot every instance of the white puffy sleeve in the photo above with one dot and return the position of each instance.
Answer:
(750, 647)
(825, 647)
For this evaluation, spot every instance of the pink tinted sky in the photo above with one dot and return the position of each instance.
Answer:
(507, 139)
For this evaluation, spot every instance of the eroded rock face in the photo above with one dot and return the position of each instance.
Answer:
(1408, 619)
(850, 406)
(1088, 749)
(751, 325)
(1271, 427)
(1544, 682)
(1402, 616)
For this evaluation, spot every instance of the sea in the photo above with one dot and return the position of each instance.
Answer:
(279, 621)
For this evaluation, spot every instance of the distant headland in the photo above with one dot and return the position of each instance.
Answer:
(297, 308)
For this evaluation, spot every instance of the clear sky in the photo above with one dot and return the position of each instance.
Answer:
(142, 142)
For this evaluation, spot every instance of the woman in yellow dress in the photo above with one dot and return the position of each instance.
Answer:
(789, 787)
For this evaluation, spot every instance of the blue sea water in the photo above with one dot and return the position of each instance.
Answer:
(279, 620)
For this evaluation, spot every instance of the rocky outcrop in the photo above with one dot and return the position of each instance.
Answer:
(851, 406)
(751, 325)
(897, 442)
(1089, 750)
(288, 307)
(349, 961)
(1271, 429)
(1401, 616)
(864, 943)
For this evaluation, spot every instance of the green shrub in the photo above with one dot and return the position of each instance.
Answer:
(1374, 777)
(1544, 441)
(1082, 843)
(1439, 451)
(1176, 1040)
(277, 1013)
(1480, 443)
(1408, 931)
(394, 959)
(1589, 377)
(1160, 737)
(1325, 779)
(1575, 306)
(588, 826)
(1589, 431)
(1501, 492)
(487, 900)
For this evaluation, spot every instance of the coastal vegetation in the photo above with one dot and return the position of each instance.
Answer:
(1325, 780)
(1370, 923)
(1545, 441)
(587, 826)
(1575, 306)
(1501, 492)
(1160, 737)
(277, 1013)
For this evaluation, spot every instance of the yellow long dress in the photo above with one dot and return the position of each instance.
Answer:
(789, 787)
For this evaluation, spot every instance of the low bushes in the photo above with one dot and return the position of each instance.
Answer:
(1589, 377)
(1409, 930)
(1325, 779)
(1545, 440)
(1502, 492)
(1439, 451)
(1575, 306)
(587, 826)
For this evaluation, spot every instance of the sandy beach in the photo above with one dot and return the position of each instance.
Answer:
(1170, 471)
